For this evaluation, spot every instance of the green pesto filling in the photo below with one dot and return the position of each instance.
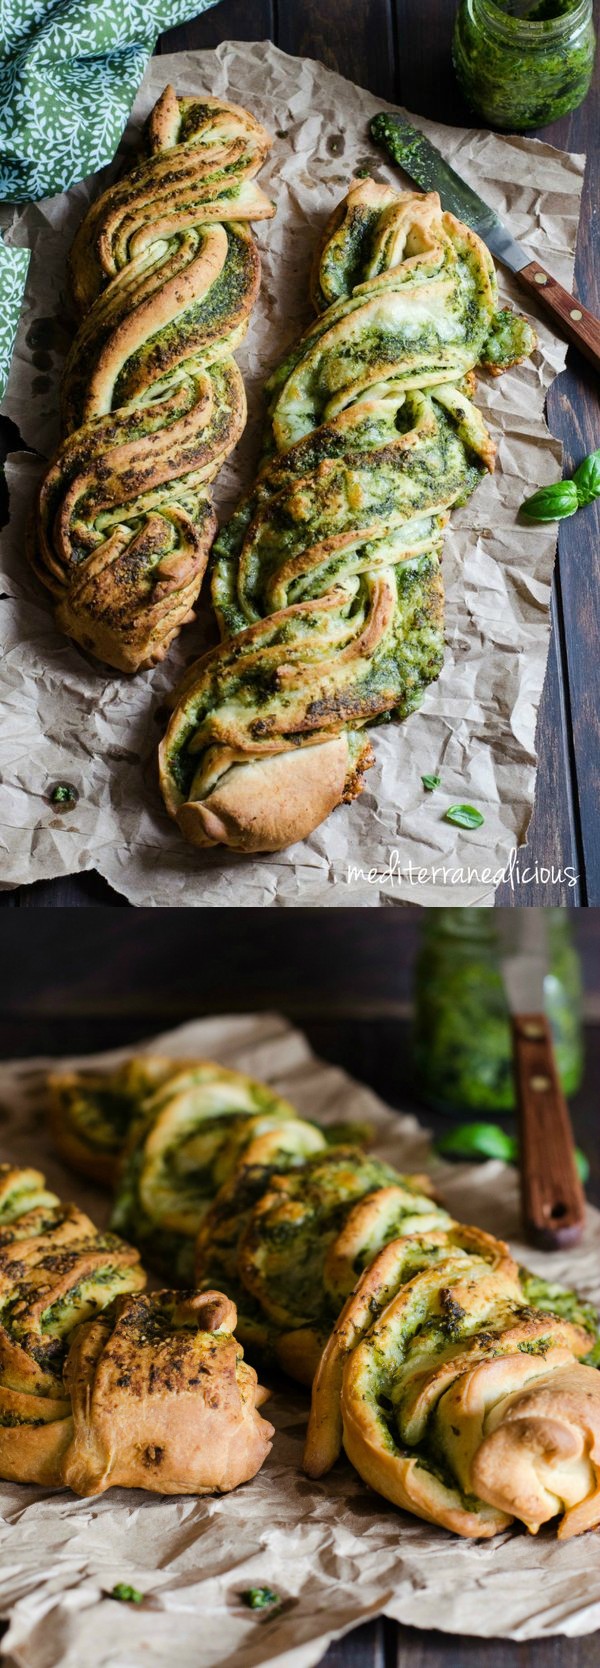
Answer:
(24, 1198)
(104, 1114)
(294, 1242)
(192, 1188)
(535, 1346)
(86, 1298)
(13, 1421)
(558, 1300)
(462, 1039)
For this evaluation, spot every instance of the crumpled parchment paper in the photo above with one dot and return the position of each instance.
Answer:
(64, 719)
(336, 1553)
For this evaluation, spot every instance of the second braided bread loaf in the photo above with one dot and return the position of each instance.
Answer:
(327, 581)
(459, 1387)
(164, 273)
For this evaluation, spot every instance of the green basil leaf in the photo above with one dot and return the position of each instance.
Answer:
(490, 1141)
(587, 479)
(63, 795)
(552, 503)
(126, 1594)
(260, 1598)
(478, 1141)
(431, 782)
(464, 816)
(582, 1165)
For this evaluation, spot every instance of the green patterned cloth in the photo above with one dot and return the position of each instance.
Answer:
(69, 73)
(13, 272)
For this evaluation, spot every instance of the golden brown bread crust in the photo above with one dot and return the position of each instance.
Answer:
(452, 1395)
(266, 804)
(163, 1399)
(55, 1271)
(374, 1290)
(542, 1440)
(100, 1385)
(376, 1219)
(164, 273)
(453, 1398)
(327, 580)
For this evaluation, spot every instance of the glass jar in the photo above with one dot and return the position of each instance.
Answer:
(462, 1039)
(523, 63)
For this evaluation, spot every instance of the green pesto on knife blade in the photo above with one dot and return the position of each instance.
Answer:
(414, 152)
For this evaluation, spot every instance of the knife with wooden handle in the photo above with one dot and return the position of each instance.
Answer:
(410, 148)
(552, 1198)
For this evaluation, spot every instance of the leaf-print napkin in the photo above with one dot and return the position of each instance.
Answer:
(69, 73)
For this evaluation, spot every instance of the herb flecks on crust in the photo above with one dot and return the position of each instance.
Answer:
(327, 579)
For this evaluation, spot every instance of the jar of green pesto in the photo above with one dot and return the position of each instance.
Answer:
(523, 63)
(461, 1037)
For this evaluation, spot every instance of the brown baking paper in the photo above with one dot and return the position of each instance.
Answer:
(336, 1553)
(65, 719)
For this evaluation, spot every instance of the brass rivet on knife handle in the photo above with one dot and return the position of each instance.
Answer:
(552, 1199)
(571, 317)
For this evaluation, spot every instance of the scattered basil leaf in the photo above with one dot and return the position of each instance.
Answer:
(587, 479)
(490, 1141)
(478, 1141)
(260, 1598)
(431, 782)
(63, 795)
(552, 503)
(464, 816)
(125, 1594)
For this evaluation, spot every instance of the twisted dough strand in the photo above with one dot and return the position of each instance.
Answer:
(185, 1140)
(452, 1395)
(102, 1384)
(288, 1244)
(91, 1112)
(55, 1270)
(164, 273)
(327, 580)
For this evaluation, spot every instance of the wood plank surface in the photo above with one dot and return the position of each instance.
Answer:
(179, 963)
(565, 827)
(400, 49)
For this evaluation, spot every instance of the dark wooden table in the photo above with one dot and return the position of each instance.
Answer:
(376, 1051)
(400, 49)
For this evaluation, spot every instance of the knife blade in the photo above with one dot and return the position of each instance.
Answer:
(553, 1206)
(523, 958)
(412, 151)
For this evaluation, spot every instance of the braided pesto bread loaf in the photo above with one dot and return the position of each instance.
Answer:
(454, 1398)
(186, 1139)
(285, 1245)
(91, 1112)
(162, 1399)
(164, 273)
(327, 580)
(101, 1385)
(56, 1271)
(452, 1395)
